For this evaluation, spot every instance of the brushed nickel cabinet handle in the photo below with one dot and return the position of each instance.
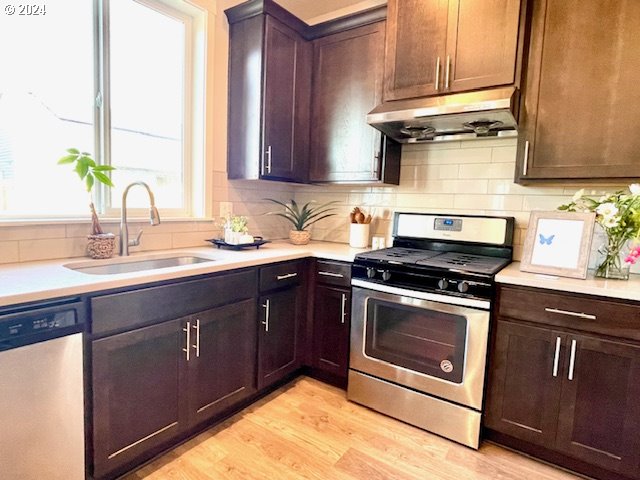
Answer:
(285, 276)
(267, 160)
(187, 329)
(344, 308)
(331, 274)
(556, 357)
(525, 161)
(572, 359)
(437, 87)
(266, 307)
(586, 316)
(197, 345)
(447, 72)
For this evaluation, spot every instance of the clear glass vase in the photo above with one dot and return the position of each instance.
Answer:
(612, 263)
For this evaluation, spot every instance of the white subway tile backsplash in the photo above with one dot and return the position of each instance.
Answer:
(459, 156)
(9, 252)
(487, 170)
(503, 154)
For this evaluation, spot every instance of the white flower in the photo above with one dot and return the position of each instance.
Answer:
(608, 209)
(610, 222)
(578, 195)
(634, 188)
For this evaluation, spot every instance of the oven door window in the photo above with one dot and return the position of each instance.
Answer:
(418, 339)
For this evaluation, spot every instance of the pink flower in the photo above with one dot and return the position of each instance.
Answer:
(630, 259)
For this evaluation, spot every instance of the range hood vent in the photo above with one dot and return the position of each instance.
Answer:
(488, 113)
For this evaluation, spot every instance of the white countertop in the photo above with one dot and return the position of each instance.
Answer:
(34, 281)
(622, 289)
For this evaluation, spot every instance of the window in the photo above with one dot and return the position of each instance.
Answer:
(120, 78)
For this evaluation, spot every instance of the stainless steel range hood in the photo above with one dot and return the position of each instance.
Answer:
(487, 113)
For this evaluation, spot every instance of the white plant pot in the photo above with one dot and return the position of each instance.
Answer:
(231, 237)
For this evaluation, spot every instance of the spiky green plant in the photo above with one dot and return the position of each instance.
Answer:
(304, 217)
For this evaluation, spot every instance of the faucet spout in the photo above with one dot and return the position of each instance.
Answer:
(154, 218)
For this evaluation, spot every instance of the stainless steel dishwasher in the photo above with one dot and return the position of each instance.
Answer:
(41, 392)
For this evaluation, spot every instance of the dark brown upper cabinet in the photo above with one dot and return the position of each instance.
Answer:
(581, 101)
(435, 47)
(347, 84)
(269, 94)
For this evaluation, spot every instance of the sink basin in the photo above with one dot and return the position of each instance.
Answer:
(136, 264)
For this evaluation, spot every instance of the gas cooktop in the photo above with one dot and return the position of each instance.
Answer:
(450, 261)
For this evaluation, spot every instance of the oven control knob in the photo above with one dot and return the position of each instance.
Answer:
(443, 284)
(371, 272)
(463, 287)
(386, 275)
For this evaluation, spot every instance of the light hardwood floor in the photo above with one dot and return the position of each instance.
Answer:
(308, 430)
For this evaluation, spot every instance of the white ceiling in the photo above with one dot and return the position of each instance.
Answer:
(316, 11)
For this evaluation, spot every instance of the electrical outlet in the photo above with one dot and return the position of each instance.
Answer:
(226, 209)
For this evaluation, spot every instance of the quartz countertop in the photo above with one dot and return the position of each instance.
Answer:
(621, 289)
(35, 281)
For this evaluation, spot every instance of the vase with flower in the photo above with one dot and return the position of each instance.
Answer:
(619, 216)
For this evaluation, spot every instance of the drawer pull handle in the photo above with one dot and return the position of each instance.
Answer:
(556, 357)
(331, 274)
(571, 314)
(285, 276)
(572, 359)
(344, 308)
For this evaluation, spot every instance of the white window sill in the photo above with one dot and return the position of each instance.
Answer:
(103, 220)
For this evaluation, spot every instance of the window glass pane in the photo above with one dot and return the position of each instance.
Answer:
(147, 103)
(46, 106)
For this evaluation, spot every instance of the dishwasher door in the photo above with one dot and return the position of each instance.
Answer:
(42, 411)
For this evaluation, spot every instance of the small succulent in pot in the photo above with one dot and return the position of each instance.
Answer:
(101, 245)
(302, 218)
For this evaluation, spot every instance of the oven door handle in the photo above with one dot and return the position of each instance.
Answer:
(434, 297)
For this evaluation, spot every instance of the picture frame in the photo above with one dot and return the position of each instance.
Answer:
(558, 243)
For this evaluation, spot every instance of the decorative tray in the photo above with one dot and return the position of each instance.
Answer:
(257, 243)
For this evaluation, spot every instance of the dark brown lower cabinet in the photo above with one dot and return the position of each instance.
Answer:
(222, 367)
(568, 396)
(278, 335)
(137, 398)
(524, 397)
(331, 323)
(153, 384)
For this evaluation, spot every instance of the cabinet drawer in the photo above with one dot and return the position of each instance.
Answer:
(565, 310)
(281, 275)
(333, 273)
(144, 306)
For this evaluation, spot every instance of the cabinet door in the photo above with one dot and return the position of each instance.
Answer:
(286, 103)
(482, 44)
(277, 340)
(137, 397)
(223, 359)
(331, 320)
(581, 103)
(415, 48)
(348, 74)
(525, 379)
(599, 420)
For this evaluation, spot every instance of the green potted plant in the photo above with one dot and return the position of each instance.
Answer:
(100, 244)
(302, 218)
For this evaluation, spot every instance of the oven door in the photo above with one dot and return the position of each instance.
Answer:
(421, 340)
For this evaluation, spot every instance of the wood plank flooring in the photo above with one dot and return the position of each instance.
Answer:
(308, 430)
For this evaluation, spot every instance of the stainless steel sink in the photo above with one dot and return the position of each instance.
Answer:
(137, 265)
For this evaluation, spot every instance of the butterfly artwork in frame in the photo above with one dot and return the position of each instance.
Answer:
(558, 243)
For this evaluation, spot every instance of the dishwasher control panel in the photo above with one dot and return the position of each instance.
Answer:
(38, 324)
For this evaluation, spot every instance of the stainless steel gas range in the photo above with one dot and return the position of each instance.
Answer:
(420, 321)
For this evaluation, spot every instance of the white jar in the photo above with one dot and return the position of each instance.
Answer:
(359, 235)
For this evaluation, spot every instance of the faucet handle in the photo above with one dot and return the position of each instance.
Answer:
(136, 242)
